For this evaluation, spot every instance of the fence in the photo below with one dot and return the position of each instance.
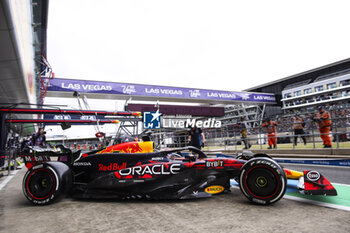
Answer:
(229, 137)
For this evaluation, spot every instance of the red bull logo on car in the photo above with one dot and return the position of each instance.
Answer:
(111, 167)
(129, 147)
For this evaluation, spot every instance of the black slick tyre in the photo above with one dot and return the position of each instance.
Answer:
(262, 181)
(47, 182)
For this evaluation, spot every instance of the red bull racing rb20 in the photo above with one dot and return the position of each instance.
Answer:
(134, 171)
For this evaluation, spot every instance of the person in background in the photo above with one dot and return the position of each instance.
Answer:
(298, 126)
(324, 122)
(244, 133)
(26, 142)
(271, 132)
(196, 137)
(39, 138)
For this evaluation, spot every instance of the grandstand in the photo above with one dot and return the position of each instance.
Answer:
(325, 90)
(328, 85)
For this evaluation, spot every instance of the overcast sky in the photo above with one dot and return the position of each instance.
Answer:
(225, 45)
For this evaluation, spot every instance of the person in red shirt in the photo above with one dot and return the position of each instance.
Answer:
(271, 132)
(324, 122)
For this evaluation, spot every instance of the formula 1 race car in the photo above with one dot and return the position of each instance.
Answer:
(133, 170)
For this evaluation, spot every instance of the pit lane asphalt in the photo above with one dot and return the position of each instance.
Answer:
(230, 212)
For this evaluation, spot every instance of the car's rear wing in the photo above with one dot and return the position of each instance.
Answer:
(35, 155)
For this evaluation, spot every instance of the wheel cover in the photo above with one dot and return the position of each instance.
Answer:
(40, 184)
(262, 182)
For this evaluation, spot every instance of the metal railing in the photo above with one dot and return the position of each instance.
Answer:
(230, 138)
(11, 156)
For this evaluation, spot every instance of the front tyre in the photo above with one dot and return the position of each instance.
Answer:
(262, 181)
(46, 182)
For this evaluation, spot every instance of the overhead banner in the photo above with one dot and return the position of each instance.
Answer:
(85, 86)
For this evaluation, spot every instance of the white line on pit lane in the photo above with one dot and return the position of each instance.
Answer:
(8, 178)
(341, 184)
(317, 203)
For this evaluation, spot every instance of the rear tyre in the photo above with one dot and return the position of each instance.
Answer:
(47, 182)
(262, 181)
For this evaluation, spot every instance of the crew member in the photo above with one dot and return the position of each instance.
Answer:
(271, 132)
(244, 133)
(298, 126)
(196, 137)
(324, 122)
(39, 138)
(26, 142)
